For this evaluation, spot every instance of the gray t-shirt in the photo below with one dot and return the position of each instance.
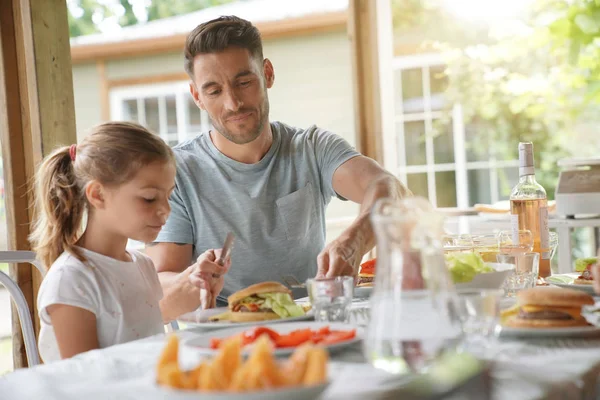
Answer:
(275, 208)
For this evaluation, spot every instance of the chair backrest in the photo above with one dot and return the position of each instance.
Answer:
(33, 357)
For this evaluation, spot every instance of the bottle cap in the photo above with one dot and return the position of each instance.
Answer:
(526, 166)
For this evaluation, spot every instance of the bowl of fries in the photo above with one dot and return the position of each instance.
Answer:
(260, 376)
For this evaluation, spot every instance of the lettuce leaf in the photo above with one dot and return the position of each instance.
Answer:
(582, 263)
(464, 266)
(281, 304)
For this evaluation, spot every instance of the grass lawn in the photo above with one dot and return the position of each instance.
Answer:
(4, 268)
(6, 361)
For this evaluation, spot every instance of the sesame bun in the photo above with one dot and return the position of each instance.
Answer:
(554, 297)
(516, 322)
(252, 316)
(263, 287)
(583, 282)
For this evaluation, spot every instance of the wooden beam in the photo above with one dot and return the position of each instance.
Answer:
(14, 161)
(310, 24)
(38, 106)
(104, 90)
(370, 31)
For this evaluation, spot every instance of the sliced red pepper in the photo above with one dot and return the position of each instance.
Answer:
(339, 336)
(253, 334)
(324, 330)
(294, 338)
(215, 343)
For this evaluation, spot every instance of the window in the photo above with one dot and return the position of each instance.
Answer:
(167, 110)
(434, 154)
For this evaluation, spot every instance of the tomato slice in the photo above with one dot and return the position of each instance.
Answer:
(339, 336)
(368, 267)
(294, 338)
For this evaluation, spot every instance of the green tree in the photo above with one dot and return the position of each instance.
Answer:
(539, 83)
(85, 15)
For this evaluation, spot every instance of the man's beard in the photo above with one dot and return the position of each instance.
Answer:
(246, 137)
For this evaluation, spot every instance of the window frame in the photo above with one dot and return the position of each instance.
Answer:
(460, 166)
(179, 89)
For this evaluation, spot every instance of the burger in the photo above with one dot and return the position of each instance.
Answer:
(261, 302)
(548, 307)
(584, 266)
(366, 274)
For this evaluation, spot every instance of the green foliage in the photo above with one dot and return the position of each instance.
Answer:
(96, 11)
(535, 84)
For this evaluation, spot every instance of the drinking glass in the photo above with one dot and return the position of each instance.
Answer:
(331, 298)
(525, 274)
(479, 311)
(486, 246)
(457, 243)
(507, 245)
(414, 311)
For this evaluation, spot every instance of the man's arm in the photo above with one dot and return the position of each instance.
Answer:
(172, 261)
(363, 181)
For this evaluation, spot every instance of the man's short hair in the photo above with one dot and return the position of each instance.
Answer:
(217, 35)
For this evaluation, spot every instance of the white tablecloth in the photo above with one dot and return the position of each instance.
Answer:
(549, 369)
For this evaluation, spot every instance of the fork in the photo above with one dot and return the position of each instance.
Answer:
(292, 282)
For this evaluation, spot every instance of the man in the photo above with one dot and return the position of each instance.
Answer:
(268, 183)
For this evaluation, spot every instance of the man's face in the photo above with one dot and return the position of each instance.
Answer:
(232, 87)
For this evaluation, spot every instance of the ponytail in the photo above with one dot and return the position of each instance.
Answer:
(59, 208)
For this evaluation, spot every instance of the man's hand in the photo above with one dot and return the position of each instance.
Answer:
(342, 256)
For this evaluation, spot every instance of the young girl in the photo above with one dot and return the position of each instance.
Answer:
(97, 293)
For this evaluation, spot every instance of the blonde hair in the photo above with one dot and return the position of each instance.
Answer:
(111, 154)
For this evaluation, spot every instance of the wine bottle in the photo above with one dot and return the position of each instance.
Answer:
(529, 208)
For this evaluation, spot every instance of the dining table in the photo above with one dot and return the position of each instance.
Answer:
(520, 369)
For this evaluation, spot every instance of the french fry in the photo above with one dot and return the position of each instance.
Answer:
(171, 351)
(227, 361)
(262, 359)
(240, 378)
(170, 375)
(191, 380)
(316, 370)
(294, 368)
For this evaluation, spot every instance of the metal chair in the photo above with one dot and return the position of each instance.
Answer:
(33, 357)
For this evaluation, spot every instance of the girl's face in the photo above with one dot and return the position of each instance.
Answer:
(138, 209)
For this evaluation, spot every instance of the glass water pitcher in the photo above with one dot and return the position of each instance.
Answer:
(413, 306)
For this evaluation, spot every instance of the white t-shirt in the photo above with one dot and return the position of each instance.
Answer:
(124, 296)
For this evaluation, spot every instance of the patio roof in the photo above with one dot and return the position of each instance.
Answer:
(270, 16)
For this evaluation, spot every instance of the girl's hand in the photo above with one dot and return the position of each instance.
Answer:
(208, 276)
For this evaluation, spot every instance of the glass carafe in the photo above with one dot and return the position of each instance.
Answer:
(413, 306)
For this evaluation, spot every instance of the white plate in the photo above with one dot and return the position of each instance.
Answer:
(200, 343)
(589, 289)
(363, 292)
(292, 393)
(199, 319)
(576, 331)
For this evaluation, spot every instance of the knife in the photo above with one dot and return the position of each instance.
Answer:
(226, 251)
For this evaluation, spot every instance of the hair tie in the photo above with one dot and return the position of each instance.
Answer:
(73, 151)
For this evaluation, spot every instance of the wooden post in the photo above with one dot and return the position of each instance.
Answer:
(370, 31)
(37, 113)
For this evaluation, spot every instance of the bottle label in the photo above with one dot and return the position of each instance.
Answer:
(514, 227)
(544, 233)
